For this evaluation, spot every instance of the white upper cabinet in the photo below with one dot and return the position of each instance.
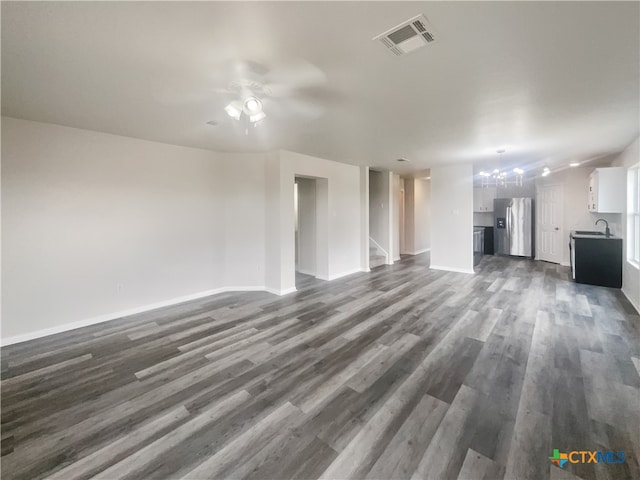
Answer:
(483, 199)
(607, 190)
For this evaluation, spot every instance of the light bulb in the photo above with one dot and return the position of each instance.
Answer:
(233, 111)
(252, 104)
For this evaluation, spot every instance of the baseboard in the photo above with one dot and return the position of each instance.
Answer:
(366, 270)
(242, 289)
(344, 274)
(451, 269)
(424, 250)
(631, 301)
(106, 317)
(133, 311)
(306, 272)
(286, 291)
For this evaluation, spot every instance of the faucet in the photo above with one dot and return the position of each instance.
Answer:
(607, 232)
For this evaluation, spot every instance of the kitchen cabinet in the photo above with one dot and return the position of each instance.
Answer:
(478, 244)
(488, 248)
(607, 190)
(483, 199)
(596, 260)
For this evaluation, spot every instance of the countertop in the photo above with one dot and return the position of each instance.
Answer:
(596, 237)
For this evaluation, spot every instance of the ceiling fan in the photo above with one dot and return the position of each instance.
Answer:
(284, 90)
(250, 92)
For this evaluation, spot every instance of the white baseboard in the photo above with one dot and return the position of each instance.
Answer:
(344, 274)
(451, 269)
(286, 291)
(242, 289)
(133, 311)
(106, 317)
(306, 272)
(631, 301)
(424, 250)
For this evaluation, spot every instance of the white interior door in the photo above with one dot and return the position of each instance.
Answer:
(549, 223)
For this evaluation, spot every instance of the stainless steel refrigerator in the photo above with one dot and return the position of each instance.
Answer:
(513, 226)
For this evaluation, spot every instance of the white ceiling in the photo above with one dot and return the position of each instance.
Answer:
(551, 82)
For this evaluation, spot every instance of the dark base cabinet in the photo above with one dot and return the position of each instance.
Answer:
(598, 261)
(488, 241)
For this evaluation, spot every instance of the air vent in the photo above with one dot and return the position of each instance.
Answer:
(408, 36)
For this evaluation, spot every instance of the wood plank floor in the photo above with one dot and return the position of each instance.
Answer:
(400, 373)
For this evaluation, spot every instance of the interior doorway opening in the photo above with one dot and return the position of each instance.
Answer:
(379, 219)
(311, 232)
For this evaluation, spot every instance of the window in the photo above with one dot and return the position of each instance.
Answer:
(633, 216)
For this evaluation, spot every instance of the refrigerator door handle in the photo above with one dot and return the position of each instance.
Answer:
(508, 231)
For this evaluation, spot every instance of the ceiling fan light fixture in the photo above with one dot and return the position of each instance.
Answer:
(257, 117)
(233, 111)
(252, 105)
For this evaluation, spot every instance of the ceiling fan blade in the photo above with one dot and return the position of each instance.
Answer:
(285, 78)
(293, 107)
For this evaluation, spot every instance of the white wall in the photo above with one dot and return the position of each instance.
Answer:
(452, 218)
(364, 218)
(630, 273)
(243, 189)
(273, 221)
(339, 184)
(306, 226)
(422, 229)
(394, 201)
(95, 224)
(409, 216)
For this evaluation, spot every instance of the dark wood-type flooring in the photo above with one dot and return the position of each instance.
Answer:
(404, 372)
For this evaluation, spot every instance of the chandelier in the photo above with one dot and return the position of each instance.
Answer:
(502, 178)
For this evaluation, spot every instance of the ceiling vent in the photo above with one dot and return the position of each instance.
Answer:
(408, 36)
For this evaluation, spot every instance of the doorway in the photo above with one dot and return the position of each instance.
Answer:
(549, 223)
(401, 219)
(305, 226)
(311, 229)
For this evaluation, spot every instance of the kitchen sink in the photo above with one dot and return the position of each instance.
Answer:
(588, 232)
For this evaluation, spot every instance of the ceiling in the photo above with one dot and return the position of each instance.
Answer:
(550, 82)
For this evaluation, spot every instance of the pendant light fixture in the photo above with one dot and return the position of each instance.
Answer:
(499, 176)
